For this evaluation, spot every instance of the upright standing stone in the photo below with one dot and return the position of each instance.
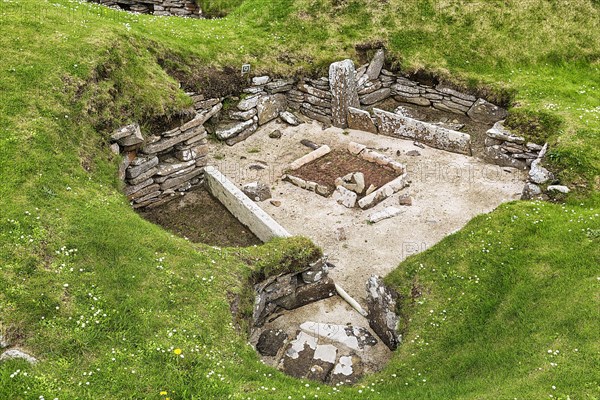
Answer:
(376, 65)
(343, 88)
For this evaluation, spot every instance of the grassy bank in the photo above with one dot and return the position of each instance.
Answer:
(107, 300)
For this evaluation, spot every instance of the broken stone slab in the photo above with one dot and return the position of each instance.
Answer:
(280, 85)
(260, 80)
(248, 103)
(354, 338)
(376, 65)
(131, 189)
(343, 88)
(289, 118)
(354, 181)
(485, 112)
(381, 303)
(230, 130)
(559, 188)
(271, 341)
(499, 132)
(360, 120)
(311, 292)
(369, 87)
(245, 134)
(345, 197)
(257, 191)
(140, 165)
(378, 195)
(451, 107)
(206, 105)
(242, 115)
(395, 125)
(161, 179)
(376, 96)
(13, 354)
(269, 107)
(312, 156)
(388, 212)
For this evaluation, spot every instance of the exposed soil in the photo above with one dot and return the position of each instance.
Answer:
(201, 218)
(338, 163)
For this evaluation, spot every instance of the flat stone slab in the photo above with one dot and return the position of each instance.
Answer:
(355, 338)
(388, 212)
(391, 124)
(15, 354)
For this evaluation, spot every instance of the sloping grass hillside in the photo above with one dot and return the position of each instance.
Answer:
(115, 307)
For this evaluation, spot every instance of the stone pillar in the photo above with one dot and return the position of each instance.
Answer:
(342, 81)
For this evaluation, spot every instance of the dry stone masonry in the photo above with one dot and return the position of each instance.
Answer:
(180, 8)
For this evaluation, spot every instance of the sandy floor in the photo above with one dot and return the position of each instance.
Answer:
(447, 190)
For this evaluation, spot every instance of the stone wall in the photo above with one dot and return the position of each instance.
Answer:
(181, 8)
(158, 167)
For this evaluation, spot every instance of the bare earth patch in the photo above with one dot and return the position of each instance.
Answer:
(338, 163)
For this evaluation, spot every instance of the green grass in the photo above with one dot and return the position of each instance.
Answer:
(514, 284)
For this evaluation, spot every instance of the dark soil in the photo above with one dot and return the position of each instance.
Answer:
(201, 218)
(429, 114)
(338, 163)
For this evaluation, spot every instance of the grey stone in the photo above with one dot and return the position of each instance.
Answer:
(142, 177)
(538, 174)
(533, 146)
(248, 103)
(455, 93)
(167, 143)
(405, 200)
(206, 105)
(317, 101)
(301, 359)
(395, 125)
(388, 212)
(125, 131)
(352, 337)
(495, 155)
(257, 191)
(165, 169)
(311, 276)
(376, 96)
(376, 65)
(413, 153)
(173, 182)
(324, 94)
(242, 115)
(143, 192)
(271, 341)
(419, 101)
(3, 342)
(281, 85)
(310, 113)
(486, 112)
(115, 148)
(13, 354)
(345, 197)
(559, 188)
(140, 165)
(381, 302)
(133, 140)
(230, 130)
(448, 106)
(245, 134)
(131, 189)
(499, 132)
(360, 120)
(348, 370)
(289, 118)
(260, 80)
(403, 89)
(343, 87)
(269, 107)
(531, 191)
(369, 87)
(276, 134)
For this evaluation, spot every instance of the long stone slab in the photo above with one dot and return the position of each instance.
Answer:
(242, 207)
(343, 88)
(395, 125)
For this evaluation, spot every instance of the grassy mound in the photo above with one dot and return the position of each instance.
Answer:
(116, 307)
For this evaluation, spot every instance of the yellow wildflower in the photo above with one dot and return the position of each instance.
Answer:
(177, 351)
(163, 393)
